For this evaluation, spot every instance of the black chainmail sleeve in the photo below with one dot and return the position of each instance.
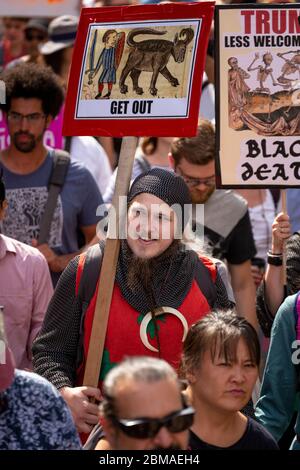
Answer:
(55, 348)
(264, 315)
(222, 302)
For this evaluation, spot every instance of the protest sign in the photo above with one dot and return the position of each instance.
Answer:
(258, 95)
(138, 70)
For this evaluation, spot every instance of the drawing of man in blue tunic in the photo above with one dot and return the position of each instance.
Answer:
(109, 59)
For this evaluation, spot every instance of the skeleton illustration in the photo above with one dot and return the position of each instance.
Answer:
(264, 71)
(260, 109)
(290, 66)
(152, 55)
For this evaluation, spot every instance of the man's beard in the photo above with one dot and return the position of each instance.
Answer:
(26, 147)
(141, 270)
(201, 197)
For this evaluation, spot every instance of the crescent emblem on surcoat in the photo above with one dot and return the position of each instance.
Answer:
(148, 317)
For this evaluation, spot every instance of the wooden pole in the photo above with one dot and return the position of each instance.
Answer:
(109, 265)
(284, 210)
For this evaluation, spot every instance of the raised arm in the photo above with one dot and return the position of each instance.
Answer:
(250, 68)
(274, 289)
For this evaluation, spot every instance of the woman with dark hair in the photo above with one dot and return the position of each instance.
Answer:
(220, 361)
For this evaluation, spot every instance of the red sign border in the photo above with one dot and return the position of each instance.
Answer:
(141, 127)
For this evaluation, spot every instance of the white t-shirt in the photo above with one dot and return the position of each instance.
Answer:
(207, 101)
(262, 217)
(89, 152)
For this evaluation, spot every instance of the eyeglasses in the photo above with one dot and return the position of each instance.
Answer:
(145, 428)
(32, 118)
(37, 37)
(193, 182)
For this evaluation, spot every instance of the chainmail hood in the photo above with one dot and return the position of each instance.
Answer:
(165, 185)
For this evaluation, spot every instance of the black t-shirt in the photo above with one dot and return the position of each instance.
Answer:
(237, 247)
(256, 437)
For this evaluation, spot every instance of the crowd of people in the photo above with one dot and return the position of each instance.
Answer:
(190, 311)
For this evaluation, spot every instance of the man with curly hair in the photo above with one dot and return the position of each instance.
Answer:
(33, 99)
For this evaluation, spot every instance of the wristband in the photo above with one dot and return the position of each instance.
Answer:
(274, 254)
(274, 259)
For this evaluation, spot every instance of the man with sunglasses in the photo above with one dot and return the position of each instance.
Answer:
(36, 34)
(143, 408)
(227, 228)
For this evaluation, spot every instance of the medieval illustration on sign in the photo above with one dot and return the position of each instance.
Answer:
(109, 59)
(135, 63)
(264, 93)
(153, 55)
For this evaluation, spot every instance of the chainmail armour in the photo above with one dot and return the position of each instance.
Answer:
(55, 351)
(58, 346)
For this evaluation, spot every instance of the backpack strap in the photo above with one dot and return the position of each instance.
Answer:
(297, 327)
(143, 163)
(297, 317)
(88, 273)
(61, 161)
(1, 56)
(206, 274)
(68, 143)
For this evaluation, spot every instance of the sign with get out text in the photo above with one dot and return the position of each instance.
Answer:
(137, 70)
(258, 88)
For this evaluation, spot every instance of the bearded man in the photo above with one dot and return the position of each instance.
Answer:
(34, 97)
(227, 227)
(161, 288)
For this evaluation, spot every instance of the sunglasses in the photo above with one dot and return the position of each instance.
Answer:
(145, 428)
(32, 37)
